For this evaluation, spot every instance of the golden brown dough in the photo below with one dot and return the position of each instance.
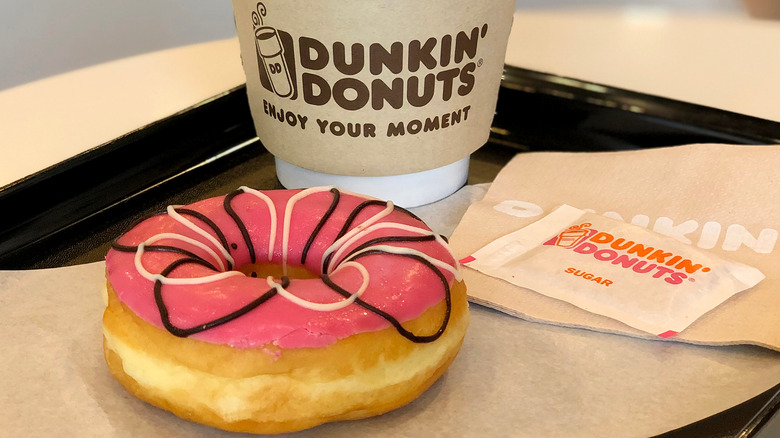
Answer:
(272, 390)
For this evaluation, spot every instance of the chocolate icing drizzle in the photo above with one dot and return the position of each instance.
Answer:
(192, 258)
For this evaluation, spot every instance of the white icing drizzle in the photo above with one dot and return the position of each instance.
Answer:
(337, 249)
(408, 251)
(167, 280)
(383, 225)
(325, 307)
(357, 230)
(271, 211)
(288, 218)
(189, 224)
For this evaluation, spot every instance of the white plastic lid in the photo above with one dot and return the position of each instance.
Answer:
(409, 190)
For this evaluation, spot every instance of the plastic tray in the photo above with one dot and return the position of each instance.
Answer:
(69, 213)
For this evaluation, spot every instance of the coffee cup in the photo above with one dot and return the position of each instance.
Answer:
(383, 97)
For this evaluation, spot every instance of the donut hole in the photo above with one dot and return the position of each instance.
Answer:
(263, 270)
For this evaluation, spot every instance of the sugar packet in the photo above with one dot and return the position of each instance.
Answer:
(646, 280)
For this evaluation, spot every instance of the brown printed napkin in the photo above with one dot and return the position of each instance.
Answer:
(719, 198)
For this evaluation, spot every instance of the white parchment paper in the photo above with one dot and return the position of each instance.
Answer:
(513, 377)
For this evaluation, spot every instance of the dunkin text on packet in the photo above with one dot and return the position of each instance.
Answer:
(625, 253)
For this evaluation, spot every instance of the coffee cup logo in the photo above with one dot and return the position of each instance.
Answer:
(573, 235)
(276, 63)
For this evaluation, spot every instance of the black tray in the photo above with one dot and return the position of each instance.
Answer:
(68, 214)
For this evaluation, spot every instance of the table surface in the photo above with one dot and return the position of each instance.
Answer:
(719, 58)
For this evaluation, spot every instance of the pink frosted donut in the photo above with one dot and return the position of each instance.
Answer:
(275, 311)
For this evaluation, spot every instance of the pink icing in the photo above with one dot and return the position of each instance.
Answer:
(400, 286)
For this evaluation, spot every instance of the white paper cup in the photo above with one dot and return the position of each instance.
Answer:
(383, 97)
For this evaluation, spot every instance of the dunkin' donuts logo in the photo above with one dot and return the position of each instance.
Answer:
(573, 235)
(437, 68)
(627, 254)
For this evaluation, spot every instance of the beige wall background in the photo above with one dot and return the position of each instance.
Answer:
(46, 37)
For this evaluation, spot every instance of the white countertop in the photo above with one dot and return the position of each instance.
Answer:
(721, 59)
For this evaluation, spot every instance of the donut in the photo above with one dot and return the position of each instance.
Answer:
(276, 311)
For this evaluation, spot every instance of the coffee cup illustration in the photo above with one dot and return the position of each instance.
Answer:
(572, 235)
(271, 59)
